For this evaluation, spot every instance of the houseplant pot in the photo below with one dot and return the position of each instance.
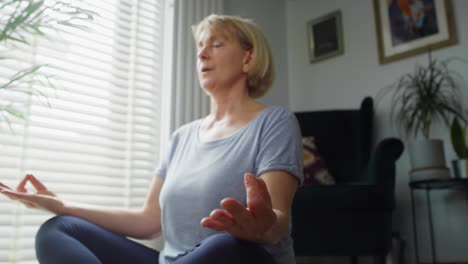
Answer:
(460, 168)
(430, 93)
(458, 139)
(427, 158)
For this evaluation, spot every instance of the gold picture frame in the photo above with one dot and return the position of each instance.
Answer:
(325, 36)
(405, 30)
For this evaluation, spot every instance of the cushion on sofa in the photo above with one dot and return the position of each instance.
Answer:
(315, 169)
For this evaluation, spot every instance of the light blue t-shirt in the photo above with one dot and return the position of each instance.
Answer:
(198, 175)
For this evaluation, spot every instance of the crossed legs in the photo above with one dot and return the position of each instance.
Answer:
(71, 240)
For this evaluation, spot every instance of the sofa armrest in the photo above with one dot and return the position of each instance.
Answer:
(310, 199)
(381, 167)
(374, 193)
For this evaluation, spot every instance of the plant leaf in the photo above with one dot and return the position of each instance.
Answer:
(14, 112)
(428, 94)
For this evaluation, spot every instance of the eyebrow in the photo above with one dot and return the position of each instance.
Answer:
(214, 37)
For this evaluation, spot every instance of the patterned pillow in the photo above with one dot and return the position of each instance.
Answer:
(315, 170)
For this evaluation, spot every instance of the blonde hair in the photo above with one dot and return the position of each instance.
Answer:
(261, 74)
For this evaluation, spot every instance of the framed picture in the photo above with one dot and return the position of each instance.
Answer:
(408, 27)
(325, 36)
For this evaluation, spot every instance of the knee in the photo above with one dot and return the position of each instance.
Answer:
(224, 240)
(47, 235)
(223, 247)
(226, 244)
(53, 224)
(51, 228)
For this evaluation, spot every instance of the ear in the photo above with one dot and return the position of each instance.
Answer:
(248, 58)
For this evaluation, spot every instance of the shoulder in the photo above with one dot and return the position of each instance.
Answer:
(277, 120)
(185, 130)
(278, 114)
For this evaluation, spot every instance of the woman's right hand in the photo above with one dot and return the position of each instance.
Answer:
(41, 198)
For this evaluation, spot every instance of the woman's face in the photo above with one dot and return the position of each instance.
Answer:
(222, 62)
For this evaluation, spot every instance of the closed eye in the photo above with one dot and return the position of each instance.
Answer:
(217, 44)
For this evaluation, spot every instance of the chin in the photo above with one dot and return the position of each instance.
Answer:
(207, 86)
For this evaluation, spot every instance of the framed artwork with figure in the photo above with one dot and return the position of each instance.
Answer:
(325, 36)
(408, 27)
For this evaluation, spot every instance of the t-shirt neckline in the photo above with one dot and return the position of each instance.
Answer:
(230, 137)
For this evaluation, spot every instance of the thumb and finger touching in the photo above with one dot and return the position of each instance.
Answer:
(21, 194)
(38, 185)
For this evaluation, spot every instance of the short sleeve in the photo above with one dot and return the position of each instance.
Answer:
(281, 145)
(161, 169)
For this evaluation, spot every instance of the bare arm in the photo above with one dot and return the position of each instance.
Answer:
(144, 223)
(281, 187)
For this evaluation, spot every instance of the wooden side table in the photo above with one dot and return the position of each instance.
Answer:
(428, 186)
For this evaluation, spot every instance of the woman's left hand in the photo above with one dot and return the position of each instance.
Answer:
(248, 223)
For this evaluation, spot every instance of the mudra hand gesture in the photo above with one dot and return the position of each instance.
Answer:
(40, 198)
(249, 223)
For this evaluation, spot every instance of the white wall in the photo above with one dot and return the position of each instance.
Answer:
(270, 15)
(342, 82)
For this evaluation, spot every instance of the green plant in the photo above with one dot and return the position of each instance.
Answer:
(458, 139)
(429, 93)
(21, 21)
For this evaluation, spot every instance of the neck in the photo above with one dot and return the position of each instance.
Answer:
(229, 113)
(232, 104)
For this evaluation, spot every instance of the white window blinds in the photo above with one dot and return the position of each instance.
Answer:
(98, 141)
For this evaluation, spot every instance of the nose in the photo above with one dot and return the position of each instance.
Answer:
(202, 53)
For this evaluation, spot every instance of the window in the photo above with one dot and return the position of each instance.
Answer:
(98, 141)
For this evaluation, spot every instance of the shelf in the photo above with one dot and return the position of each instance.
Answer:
(450, 183)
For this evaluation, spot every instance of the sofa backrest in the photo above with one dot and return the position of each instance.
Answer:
(343, 138)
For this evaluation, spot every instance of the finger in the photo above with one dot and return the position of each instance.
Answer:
(239, 213)
(235, 230)
(22, 185)
(36, 183)
(16, 195)
(4, 186)
(222, 216)
(26, 199)
(213, 224)
(7, 193)
(263, 193)
(263, 190)
(252, 188)
(258, 198)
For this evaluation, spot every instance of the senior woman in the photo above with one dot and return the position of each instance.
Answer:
(223, 191)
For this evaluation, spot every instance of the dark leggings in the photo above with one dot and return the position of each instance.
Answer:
(67, 239)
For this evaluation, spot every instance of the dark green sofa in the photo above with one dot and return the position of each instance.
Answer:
(353, 217)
